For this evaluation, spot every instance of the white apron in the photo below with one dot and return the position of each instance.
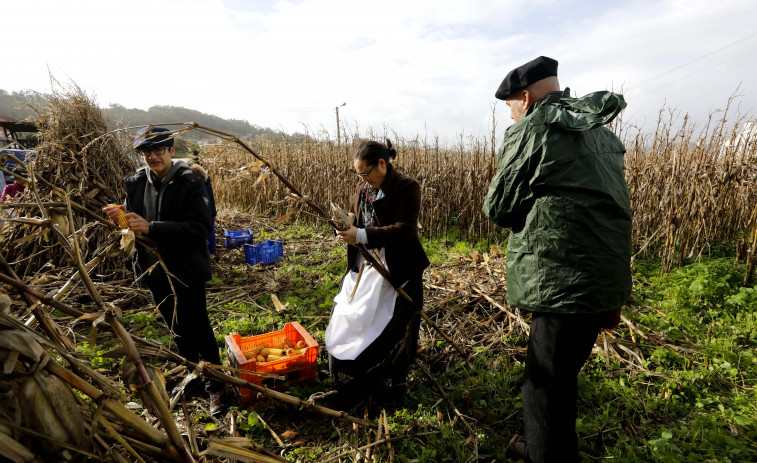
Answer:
(355, 325)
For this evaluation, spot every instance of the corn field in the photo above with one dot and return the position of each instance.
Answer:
(453, 180)
(688, 187)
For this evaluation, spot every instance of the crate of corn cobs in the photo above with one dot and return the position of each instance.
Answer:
(291, 353)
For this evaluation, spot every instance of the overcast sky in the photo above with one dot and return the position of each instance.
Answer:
(414, 66)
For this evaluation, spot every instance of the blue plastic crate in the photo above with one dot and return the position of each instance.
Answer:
(278, 248)
(235, 239)
(263, 253)
(253, 254)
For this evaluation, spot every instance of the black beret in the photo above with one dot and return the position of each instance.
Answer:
(149, 138)
(525, 75)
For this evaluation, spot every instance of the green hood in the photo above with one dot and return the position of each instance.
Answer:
(585, 113)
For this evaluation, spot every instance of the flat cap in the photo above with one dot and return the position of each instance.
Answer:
(525, 75)
(153, 138)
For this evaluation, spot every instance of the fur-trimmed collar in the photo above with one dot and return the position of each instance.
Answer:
(199, 170)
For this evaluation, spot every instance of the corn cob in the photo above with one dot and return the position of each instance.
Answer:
(342, 220)
(300, 345)
(255, 351)
(266, 352)
(122, 221)
(292, 352)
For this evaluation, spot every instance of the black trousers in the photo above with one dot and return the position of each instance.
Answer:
(558, 346)
(393, 352)
(190, 327)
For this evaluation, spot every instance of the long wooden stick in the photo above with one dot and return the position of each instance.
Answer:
(370, 258)
(272, 168)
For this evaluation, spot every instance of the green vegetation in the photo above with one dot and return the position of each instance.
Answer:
(693, 396)
(682, 390)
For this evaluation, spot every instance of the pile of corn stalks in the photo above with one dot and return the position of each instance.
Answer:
(73, 167)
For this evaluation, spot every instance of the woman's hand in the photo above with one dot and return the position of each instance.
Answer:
(349, 236)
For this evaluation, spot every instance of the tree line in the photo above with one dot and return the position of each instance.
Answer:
(22, 104)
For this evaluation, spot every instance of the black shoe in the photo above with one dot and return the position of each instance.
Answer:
(517, 450)
(324, 375)
(392, 396)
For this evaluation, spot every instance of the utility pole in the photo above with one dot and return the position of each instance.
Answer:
(338, 140)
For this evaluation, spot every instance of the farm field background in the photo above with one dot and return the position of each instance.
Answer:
(675, 381)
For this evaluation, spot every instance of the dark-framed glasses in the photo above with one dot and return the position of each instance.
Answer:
(365, 174)
(157, 151)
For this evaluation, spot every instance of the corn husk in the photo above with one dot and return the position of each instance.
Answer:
(50, 408)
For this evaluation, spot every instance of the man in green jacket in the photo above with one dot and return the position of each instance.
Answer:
(560, 189)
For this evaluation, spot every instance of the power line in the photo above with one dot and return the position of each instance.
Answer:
(708, 67)
(697, 59)
(689, 75)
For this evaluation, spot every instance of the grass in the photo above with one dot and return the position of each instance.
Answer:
(694, 398)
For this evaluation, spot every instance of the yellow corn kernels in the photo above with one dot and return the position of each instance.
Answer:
(122, 221)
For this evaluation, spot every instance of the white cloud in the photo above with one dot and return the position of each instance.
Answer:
(412, 66)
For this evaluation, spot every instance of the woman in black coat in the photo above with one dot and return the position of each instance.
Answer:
(386, 204)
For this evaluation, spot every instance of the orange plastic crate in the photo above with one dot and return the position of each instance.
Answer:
(298, 369)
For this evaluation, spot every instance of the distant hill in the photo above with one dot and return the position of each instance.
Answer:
(19, 105)
(125, 117)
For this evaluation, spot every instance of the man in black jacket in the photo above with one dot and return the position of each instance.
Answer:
(169, 202)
